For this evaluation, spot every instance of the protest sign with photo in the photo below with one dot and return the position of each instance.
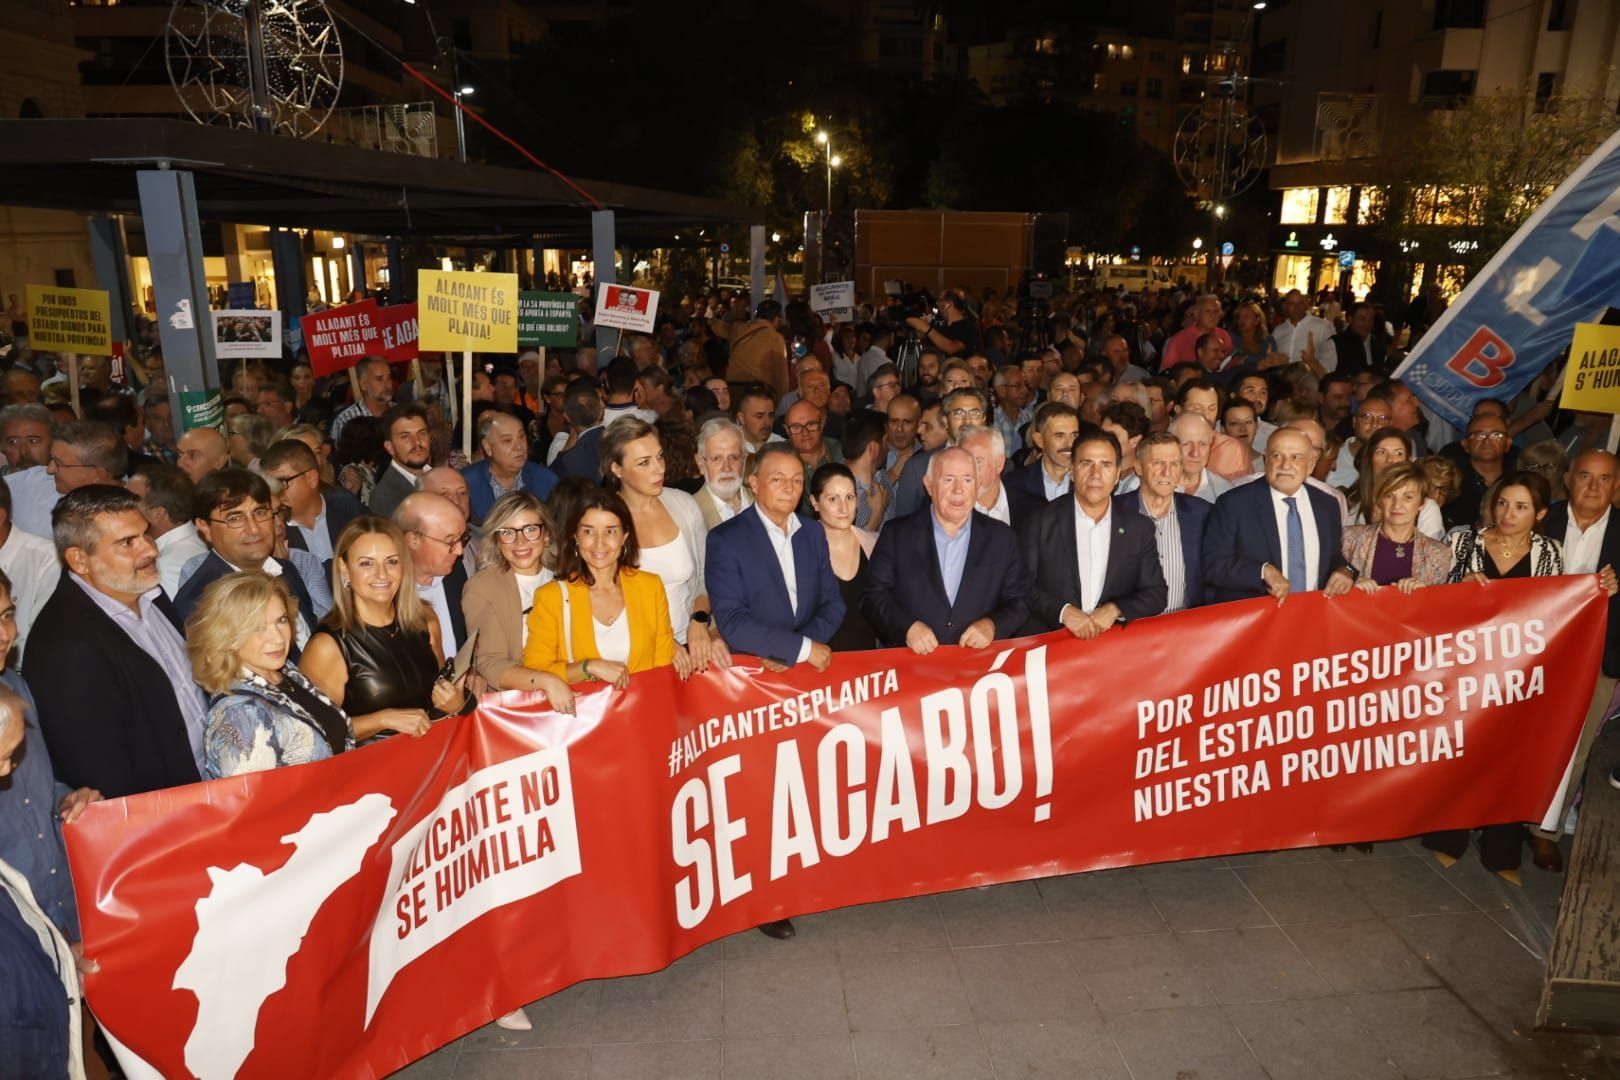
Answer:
(625, 307)
(247, 334)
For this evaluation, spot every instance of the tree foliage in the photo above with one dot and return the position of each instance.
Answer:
(1471, 175)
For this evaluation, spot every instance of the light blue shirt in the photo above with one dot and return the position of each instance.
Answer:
(316, 538)
(952, 552)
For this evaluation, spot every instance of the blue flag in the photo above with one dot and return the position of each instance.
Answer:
(1562, 267)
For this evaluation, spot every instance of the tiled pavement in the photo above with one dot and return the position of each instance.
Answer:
(1311, 964)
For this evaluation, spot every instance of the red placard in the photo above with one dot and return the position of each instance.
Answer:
(339, 338)
(389, 900)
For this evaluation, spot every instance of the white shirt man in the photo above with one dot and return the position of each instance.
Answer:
(1307, 520)
(1300, 330)
(31, 564)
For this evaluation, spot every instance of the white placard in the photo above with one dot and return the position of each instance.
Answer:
(833, 296)
(625, 307)
(247, 333)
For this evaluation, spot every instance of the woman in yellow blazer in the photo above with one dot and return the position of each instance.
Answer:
(602, 619)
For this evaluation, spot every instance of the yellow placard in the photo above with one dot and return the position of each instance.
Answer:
(70, 320)
(458, 310)
(1592, 380)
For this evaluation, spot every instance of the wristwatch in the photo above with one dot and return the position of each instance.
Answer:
(701, 617)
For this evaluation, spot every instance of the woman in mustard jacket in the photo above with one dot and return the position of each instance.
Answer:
(602, 619)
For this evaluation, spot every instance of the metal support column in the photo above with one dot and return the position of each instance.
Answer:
(605, 258)
(357, 266)
(397, 283)
(111, 258)
(287, 261)
(179, 285)
(756, 266)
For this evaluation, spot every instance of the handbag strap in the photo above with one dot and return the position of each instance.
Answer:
(567, 622)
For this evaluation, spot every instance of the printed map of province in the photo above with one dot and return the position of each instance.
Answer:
(251, 923)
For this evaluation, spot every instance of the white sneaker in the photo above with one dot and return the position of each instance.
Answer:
(516, 1020)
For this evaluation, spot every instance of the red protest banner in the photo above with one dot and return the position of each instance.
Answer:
(341, 337)
(386, 901)
(396, 328)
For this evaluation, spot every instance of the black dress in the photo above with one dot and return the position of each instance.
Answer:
(389, 668)
(855, 633)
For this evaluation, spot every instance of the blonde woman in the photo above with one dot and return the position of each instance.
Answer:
(517, 534)
(1392, 551)
(1252, 343)
(263, 712)
(248, 436)
(378, 653)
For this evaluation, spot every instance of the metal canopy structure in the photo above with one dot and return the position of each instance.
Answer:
(242, 176)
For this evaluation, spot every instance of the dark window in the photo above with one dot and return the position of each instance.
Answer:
(65, 279)
(1560, 14)
(1546, 86)
(1459, 14)
(30, 110)
(888, 47)
(1127, 88)
(1155, 88)
(1446, 89)
(1378, 28)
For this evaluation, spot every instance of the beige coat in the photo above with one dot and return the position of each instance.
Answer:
(758, 353)
(489, 601)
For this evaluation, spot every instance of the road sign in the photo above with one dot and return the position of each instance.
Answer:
(1347, 259)
(1228, 249)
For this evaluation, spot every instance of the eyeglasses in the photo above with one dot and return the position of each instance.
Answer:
(294, 476)
(967, 414)
(808, 428)
(530, 532)
(1375, 417)
(237, 520)
(1488, 436)
(890, 385)
(455, 541)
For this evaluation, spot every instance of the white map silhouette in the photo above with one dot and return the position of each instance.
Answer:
(251, 923)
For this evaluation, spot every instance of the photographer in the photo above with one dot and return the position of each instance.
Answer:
(959, 335)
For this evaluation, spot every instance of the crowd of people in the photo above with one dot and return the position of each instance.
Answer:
(745, 480)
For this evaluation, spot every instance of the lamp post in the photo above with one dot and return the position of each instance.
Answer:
(461, 131)
(833, 161)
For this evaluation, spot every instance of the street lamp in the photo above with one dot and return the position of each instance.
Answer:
(461, 131)
(833, 162)
(1198, 243)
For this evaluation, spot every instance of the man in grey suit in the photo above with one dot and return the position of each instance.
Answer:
(405, 437)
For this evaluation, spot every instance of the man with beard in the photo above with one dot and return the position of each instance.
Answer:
(720, 459)
(405, 437)
(138, 725)
(1091, 567)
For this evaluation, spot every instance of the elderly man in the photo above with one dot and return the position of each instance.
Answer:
(1195, 434)
(1303, 337)
(166, 496)
(446, 481)
(25, 435)
(505, 467)
(409, 447)
(720, 459)
(138, 725)
(436, 534)
(1066, 388)
(1404, 413)
(202, 451)
(316, 516)
(1228, 458)
(1052, 431)
(1276, 537)
(1204, 317)
(919, 592)
(1585, 525)
(1013, 408)
(1313, 431)
(1178, 519)
(1090, 567)
(900, 432)
(233, 514)
(965, 406)
(30, 562)
(1005, 504)
(375, 398)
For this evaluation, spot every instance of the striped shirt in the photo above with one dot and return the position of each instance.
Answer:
(1167, 538)
(353, 412)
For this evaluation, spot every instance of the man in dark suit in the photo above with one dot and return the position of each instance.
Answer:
(1008, 505)
(963, 407)
(1177, 519)
(436, 533)
(405, 437)
(1361, 346)
(1053, 431)
(919, 590)
(769, 576)
(1091, 567)
(771, 583)
(1277, 537)
(106, 659)
(317, 516)
(235, 519)
(1585, 525)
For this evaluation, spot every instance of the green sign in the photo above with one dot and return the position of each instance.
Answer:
(548, 318)
(201, 408)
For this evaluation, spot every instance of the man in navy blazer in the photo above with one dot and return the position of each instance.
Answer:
(1177, 519)
(1089, 583)
(1277, 537)
(506, 461)
(946, 574)
(769, 572)
(234, 517)
(1589, 530)
(1053, 433)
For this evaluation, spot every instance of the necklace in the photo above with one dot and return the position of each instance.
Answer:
(1400, 545)
(1506, 548)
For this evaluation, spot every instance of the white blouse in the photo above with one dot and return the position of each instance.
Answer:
(613, 639)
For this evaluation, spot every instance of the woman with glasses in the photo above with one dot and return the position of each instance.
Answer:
(378, 654)
(1386, 447)
(497, 600)
(670, 536)
(602, 619)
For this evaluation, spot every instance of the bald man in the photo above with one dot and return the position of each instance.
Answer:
(202, 451)
(436, 533)
(453, 486)
(907, 604)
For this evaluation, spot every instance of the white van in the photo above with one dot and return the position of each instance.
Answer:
(1133, 278)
